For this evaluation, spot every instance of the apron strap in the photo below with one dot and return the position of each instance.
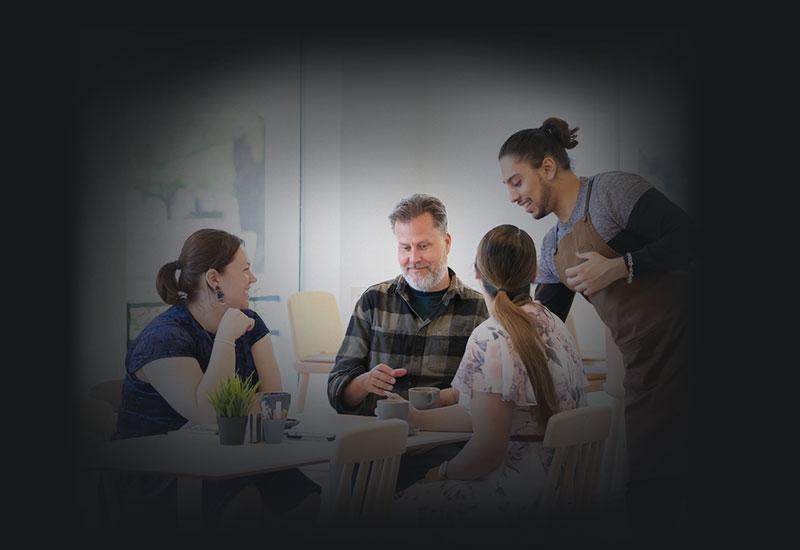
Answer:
(588, 196)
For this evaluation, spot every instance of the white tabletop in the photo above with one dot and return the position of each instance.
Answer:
(191, 455)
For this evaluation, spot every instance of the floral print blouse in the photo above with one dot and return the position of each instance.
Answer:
(491, 365)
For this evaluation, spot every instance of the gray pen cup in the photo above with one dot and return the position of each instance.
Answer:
(254, 429)
(392, 408)
(270, 400)
(273, 430)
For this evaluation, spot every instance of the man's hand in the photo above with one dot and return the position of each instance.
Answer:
(380, 379)
(596, 273)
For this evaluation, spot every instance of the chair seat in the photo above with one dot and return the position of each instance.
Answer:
(319, 358)
(305, 367)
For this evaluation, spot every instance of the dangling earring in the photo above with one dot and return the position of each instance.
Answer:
(220, 295)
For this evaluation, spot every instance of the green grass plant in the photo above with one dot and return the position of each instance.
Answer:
(233, 397)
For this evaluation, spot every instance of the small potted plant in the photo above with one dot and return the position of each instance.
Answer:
(232, 400)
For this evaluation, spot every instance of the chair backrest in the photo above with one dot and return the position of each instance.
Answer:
(98, 422)
(315, 324)
(578, 437)
(109, 392)
(372, 453)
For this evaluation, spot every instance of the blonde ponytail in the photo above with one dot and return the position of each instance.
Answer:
(527, 342)
(506, 260)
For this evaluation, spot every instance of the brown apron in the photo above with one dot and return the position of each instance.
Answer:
(650, 321)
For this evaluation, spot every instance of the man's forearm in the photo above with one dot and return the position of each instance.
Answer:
(354, 392)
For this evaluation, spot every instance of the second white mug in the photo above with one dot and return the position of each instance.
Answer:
(424, 397)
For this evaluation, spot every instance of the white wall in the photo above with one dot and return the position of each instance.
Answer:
(352, 130)
(121, 246)
(430, 121)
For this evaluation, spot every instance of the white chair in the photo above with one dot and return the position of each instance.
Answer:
(109, 392)
(578, 437)
(376, 449)
(615, 459)
(316, 336)
(594, 365)
(97, 498)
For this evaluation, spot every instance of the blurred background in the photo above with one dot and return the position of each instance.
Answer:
(301, 141)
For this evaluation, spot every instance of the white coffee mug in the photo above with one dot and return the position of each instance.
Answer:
(391, 408)
(424, 397)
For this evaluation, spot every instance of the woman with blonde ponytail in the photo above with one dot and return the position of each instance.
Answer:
(521, 366)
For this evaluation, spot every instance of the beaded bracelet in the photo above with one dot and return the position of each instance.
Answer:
(629, 263)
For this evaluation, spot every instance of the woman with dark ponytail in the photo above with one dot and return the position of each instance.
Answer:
(181, 355)
(521, 366)
(629, 251)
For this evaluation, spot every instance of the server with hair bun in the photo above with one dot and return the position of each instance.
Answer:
(630, 251)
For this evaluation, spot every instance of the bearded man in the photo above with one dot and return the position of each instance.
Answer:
(412, 330)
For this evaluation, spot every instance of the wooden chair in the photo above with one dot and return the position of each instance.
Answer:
(594, 365)
(615, 459)
(316, 336)
(375, 450)
(109, 392)
(578, 437)
(97, 495)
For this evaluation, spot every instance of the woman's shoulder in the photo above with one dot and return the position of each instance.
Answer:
(174, 319)
(544, 319)
(170, 329)
(489, 329)
(553, 330)
(162, 338)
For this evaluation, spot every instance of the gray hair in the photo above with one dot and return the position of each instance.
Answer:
(415, 206)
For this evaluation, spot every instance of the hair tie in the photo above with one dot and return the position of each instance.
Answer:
(503, 289)
(177, 264)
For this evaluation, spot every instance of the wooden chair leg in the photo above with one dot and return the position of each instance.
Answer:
(302, 390)
(190, 503)
(111, 498)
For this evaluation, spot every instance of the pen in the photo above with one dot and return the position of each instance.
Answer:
(310, 435)
(392, 395)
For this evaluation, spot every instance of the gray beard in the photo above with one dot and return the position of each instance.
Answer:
(427, 282)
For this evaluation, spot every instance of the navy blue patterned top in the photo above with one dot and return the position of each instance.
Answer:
(174, 333)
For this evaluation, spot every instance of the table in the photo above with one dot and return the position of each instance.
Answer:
(192, 457)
